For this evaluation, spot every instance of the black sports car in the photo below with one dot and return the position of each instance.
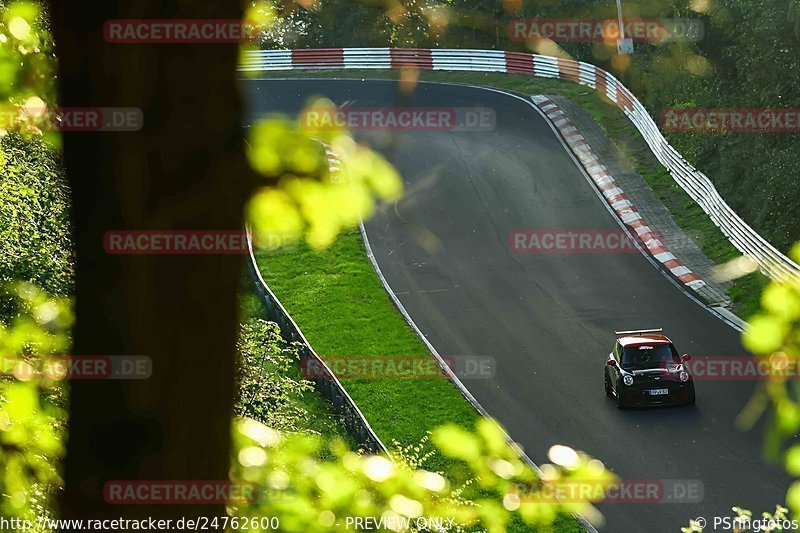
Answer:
(644, 368)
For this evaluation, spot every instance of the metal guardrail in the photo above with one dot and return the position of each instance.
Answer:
(327, 384)
(771, 261)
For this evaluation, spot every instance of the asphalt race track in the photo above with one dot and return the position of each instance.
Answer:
(547, 319)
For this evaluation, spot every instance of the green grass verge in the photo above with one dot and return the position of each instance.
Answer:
(745, 292)
(343, 310)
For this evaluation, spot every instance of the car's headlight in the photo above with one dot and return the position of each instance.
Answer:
(684, 376)
(628, 380)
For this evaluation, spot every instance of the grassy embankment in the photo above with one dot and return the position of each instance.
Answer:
(320, 417)
(343, 310)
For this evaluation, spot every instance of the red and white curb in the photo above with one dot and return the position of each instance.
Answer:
(614, 194)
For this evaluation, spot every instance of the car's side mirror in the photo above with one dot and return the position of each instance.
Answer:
(686, 357)
(611, 362)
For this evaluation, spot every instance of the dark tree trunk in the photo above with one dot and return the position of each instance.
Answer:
(185, 169)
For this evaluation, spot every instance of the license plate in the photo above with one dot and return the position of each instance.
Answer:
(656, 392)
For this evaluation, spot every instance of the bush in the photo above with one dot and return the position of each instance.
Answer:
(35, 243)
(267, 389)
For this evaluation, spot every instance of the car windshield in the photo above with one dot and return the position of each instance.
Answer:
(649, 355)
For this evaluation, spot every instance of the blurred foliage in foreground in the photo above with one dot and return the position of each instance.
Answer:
(313, 482)
(311, 197)
(34, 227)
(309, 494)
(774, 336)
(302, 195)
(27, 66)
(32, 400)
(27, 69)
(34, 250)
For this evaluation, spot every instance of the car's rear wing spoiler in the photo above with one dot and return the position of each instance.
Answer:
(639, 331)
